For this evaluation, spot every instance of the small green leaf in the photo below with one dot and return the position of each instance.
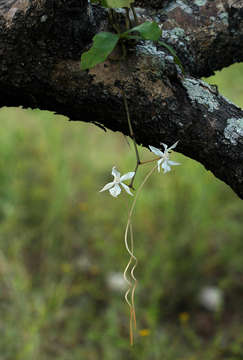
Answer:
(173, 53)
(103, 44)
(149, 30)
(113, 4)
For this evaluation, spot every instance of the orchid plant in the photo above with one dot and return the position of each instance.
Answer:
(103, 45)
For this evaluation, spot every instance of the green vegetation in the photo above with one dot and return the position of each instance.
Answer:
(105, 42)
(61, 241)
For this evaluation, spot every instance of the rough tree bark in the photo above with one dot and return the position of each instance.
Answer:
(41, 42)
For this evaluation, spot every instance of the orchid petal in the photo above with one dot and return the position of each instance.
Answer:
(156, 151)
(115, 191)
(126, 188)
(165, 146)
(127, 176)
(115, 173)
(173, 163)
(166, 167)
(173, 146)
(107, 186)
(159, 163)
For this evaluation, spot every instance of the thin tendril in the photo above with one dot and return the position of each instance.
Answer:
(128, 282)
(133, 257)
(126, 278)
(132, 286)
(134, 278)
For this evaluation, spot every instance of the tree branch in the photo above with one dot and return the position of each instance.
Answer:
(40, 49)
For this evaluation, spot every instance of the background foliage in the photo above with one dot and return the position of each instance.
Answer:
(61, 247)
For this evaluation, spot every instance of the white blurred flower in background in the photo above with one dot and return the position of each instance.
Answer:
(116, 282)
(211, 298)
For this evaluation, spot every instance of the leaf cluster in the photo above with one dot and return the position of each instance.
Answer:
(105, 42)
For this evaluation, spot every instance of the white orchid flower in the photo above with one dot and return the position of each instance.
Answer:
(164, 160)
(114, 186)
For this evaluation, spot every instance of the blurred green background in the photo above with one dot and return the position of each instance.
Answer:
(62, 253)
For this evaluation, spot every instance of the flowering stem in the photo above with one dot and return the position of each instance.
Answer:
(138, 192)
(149, 161)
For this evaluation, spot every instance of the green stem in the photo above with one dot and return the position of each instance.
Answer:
(124, 51)
(132, 136)
(128, 20)
(132, 181)
(112, 20)
(134, 14)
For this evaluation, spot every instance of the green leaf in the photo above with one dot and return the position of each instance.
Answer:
(103, 44)
(116, 3)
(149, 30)
(173, 53)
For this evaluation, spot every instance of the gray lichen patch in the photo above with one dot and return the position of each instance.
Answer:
(234, 130)
(176, 36)
(201, 93)
(149, 49)
(180, 4)
(224, 17)
(158, 57)
(200, 2)
(177, 31)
